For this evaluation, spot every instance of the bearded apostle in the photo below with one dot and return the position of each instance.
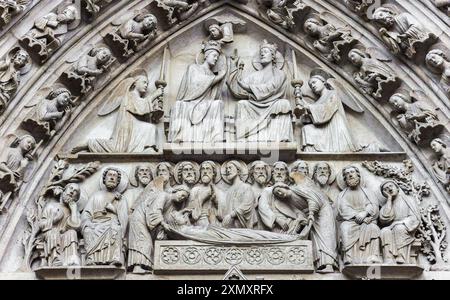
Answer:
(198, 115)
(104, 220)
(358, 209)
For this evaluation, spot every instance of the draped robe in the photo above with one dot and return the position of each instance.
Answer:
(197, 115)
(9, 82)
(60, 235)
(133, 132)
(241, 199)
(396, 242)
(266, 115)
(329, 131)
(360, 242)
(104, 230)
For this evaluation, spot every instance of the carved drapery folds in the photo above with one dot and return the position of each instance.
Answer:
(11, 8)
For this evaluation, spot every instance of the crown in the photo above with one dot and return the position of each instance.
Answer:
(212, 45)
(266, 45)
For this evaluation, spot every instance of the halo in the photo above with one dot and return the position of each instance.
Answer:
(171, 171)
(294, 167)
(123, 184)
(216, 167)
(243, 170)
(179, 166)
(268, 168)
(341, 181)
(279, 61)
(332, 176)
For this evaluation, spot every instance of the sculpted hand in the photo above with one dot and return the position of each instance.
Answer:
(360, 217)
(282, 223)
(227, 221)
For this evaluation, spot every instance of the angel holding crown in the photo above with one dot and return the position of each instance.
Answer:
(263, 113)
(328, 130)
(198, 115)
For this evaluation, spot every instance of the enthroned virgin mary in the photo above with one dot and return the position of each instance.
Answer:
(197, 115)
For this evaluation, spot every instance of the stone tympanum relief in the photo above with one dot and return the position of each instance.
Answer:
(48, 32)
(122, 226)
(10, 8)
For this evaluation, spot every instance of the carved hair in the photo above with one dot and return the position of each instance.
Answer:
(295, 165)
(437, 52)
(384, 9)
(181, 188)
(213, 166)
(142, 16)
(18, 140)
(55, 93)
(252, 168)
(351, 167)
(94, 51)
(119, 174)
(386, 182)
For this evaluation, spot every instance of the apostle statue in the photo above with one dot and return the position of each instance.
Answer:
(439, 62)
(324, 177)
(237, 209)
(104, 220)
(141, 177)
(147, 223)
(198, 115)
(133, 130)
(187, 173)
(203, 199)
(300, 166)
(305, 197)
(328, 130)
(402, 32)
(59, 226)
(259, 175)
(165, 170)
(263, 113)
(358, 209)
(11, 69)
(275, 214)
(401, 216)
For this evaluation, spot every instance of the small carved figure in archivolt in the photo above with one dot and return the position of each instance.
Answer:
(438, 62)
(133, 34)
(11, 8)
(402, 32)
(374, 76)
(332, 36)
(222, 28)
(16, 64)
(441, 167)
(87, 69)
(418, 119)
(49, 31)
(52, 109)
(284, 13)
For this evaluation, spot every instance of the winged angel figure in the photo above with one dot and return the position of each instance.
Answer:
(327, 128)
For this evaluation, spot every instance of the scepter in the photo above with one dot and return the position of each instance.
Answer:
(158, 109)
(297, 84)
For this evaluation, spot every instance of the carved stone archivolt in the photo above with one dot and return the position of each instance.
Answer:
(295, 137)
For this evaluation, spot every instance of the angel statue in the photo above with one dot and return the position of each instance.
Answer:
(86, 70)
(415, 116)
(14, 163)
(330, 41)
(328, 129)
(439, 63)
(16, 64)
(53, 107)
(402, 32)
(133, 34)
(48, 32)
(133, 131)
(10, 8)
(374, 76)
(184, 9)
(223, 27)
(283, 12)
(198, 114)
(263, 113)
